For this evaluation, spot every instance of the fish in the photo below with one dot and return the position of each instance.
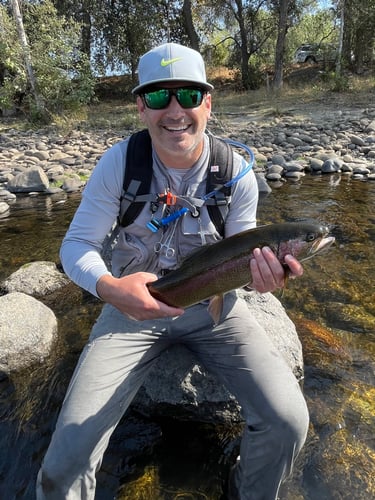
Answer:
(213, 270)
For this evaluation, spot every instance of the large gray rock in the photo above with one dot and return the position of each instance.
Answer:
(179, 386)
(27, 331)
(36, 278)
(32, 179)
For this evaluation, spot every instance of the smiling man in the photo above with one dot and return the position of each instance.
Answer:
(163, 172)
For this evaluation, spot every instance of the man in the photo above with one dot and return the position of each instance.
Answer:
(174, 102)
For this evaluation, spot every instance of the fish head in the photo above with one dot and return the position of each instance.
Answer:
(304, 242)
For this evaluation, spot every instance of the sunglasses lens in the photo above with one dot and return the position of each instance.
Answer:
(158, 99)
(186, 97)
(189, 98)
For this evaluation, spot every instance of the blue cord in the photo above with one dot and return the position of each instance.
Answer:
(242, 173)
(155, 224)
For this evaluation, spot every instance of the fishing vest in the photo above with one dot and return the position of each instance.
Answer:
(138, 174)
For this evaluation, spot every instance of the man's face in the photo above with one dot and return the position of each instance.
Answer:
(176, 132)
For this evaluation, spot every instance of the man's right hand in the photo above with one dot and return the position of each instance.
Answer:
(130, 295)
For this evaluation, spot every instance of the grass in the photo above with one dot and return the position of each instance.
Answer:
(304, 85)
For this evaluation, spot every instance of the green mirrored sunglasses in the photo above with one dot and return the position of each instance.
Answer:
(187, 97)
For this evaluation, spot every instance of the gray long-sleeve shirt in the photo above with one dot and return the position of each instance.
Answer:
(135, 249)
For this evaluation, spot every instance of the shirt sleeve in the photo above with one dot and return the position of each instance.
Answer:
(80, 251)
(243, 207)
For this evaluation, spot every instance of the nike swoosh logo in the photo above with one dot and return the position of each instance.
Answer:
(167, 62)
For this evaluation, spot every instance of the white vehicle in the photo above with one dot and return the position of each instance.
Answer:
(314, 53)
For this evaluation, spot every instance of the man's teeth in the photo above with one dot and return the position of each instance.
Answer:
(177, 129)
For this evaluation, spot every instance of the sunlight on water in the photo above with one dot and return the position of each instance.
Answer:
(332, 306)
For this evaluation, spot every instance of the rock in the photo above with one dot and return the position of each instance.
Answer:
(72, 185)
(293, 166)
(316, 164)
(278, 160)
(6, 195)
(33, 179)
(178, 384)
(263, 187)
(329, 166)
(27, 331)
(361, 169)
(296, 141)
(358, 141)
(4, 208)
(36, 278)
(275, 169)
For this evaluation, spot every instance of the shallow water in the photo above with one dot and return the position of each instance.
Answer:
(332, 305)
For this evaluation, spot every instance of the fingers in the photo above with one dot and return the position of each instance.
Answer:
(294, 265)
(267, 272)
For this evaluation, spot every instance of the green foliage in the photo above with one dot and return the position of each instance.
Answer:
(12, 76)
(62, 72)
(337, 82)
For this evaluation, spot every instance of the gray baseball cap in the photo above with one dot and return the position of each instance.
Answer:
(171, 62)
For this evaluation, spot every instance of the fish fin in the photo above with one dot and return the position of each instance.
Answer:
(215, 307)
(286, 280)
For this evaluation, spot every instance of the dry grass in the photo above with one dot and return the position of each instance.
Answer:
(115, 108)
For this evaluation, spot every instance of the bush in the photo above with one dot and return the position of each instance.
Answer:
(62, 72)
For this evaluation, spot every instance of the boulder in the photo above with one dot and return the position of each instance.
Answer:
(32, 179)
(27, 331)
(36, 278)
(180, 387)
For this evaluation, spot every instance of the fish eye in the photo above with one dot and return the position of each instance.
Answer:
(310, 237)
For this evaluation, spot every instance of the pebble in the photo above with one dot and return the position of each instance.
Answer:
(286, 149)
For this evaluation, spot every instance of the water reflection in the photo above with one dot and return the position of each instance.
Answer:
(333, 308)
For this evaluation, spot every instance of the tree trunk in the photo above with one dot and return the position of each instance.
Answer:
(280, 44)
(341, 39)
(26, 54)
(189, 25)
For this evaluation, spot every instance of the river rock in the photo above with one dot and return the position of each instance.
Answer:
(180, 386)
(33, 179)
(27, 331)
(4, 208)
(36, 278)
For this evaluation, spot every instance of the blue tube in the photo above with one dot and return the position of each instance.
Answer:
(242, 173)
(155, 224)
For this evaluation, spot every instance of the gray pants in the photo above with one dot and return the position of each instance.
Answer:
(113, 365)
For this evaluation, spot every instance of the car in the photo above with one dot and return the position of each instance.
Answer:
(314, 53)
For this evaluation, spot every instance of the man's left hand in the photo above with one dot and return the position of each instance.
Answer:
(267, 272)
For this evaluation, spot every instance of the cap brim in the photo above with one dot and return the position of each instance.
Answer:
(205, 85)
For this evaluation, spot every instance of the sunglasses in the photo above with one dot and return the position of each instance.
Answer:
(187, 97)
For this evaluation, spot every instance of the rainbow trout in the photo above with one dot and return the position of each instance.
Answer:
(215, 269)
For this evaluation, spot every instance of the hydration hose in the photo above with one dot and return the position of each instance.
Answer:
(155, 224)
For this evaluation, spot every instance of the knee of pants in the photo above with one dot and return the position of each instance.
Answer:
(285, 428)
(285, 433)
(58, 471)
(55, 485)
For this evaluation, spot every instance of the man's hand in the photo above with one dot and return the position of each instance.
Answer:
(267, 272)
(130, 295)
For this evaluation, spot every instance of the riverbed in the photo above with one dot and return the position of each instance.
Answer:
(333, 308)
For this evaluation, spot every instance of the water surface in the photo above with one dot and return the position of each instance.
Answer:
(332, 305)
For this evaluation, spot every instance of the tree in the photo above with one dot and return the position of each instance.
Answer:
(61, 75)
(249, 26)
(282, 29)
(358, 32)
(189, 25)
(27, 56)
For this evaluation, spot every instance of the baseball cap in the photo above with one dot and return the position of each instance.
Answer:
(171, 62)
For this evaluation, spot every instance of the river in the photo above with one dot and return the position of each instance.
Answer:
(333, 308)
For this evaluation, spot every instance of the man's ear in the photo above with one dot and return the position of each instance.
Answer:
(141, 107)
